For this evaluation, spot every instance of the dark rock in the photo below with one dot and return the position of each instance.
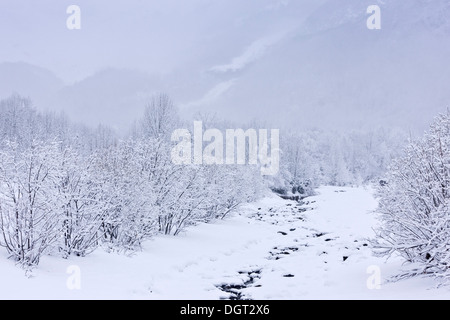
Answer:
(318, 235)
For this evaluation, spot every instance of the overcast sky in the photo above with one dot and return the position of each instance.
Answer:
(156, 36)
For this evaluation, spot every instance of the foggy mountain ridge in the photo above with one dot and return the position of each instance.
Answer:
(28, 80)
(327, 71)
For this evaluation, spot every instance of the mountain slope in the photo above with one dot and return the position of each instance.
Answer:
(28, 80)
(331, 71)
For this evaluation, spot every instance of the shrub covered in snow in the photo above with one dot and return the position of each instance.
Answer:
(414, 203)
(59, 197)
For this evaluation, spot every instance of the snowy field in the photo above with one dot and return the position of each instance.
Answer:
(272, 249)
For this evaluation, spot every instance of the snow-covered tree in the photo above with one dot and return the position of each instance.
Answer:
(415, 203)
(119, 174)
(160, 118)
(82, 211)
(29, 200)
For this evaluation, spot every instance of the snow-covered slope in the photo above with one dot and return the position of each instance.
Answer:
(272, 249)
(331, 71)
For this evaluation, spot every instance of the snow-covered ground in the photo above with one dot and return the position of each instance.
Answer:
(272, 249)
